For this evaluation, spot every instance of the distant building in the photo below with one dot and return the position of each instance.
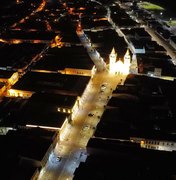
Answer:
(19, 93)
(161, 145)
(4, 130)
(9, 77)
(137, 46)
(157, 71)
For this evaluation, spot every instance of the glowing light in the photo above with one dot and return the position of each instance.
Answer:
(43, 127)
(48, 26)
(41, 7)
(11, 92)
(117, 66)
(16, 41)
(57, 42)
(142, 142)
(79, 27)
(2, 40)
(18, 1)
(36, 41)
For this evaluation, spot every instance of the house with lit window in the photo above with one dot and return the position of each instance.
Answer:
(161, 145)
(8, 77)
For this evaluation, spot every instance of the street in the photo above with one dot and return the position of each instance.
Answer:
(74, 137)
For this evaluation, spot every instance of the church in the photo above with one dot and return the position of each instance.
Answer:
(117, 66)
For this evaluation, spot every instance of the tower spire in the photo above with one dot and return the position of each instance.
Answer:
(127, 58)
(112, 59)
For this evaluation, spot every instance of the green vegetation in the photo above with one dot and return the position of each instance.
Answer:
(150, 6)
(171, 22)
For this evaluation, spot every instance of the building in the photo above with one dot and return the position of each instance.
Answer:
(56, 83)
(8, 77)
(161, 145)
(118, 66)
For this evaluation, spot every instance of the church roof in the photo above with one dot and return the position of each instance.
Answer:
(113, 51)
(127, 52)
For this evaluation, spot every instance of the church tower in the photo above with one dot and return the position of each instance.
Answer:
(134, 65)
(112, 60)
(127, 58)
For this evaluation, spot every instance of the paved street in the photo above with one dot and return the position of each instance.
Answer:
(73, 140)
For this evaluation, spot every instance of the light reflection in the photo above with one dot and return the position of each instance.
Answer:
(43, 127)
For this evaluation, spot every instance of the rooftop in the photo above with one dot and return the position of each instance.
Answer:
(128, 159)
(20, 54)
(61, 58)
(23, 160)
(52, 82)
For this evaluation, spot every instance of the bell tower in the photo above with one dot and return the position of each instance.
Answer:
(127, 58)
(112, 59)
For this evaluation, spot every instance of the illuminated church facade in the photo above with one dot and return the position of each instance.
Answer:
(117, 66)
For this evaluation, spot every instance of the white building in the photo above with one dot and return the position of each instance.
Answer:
(161, 145)
(117, 66)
